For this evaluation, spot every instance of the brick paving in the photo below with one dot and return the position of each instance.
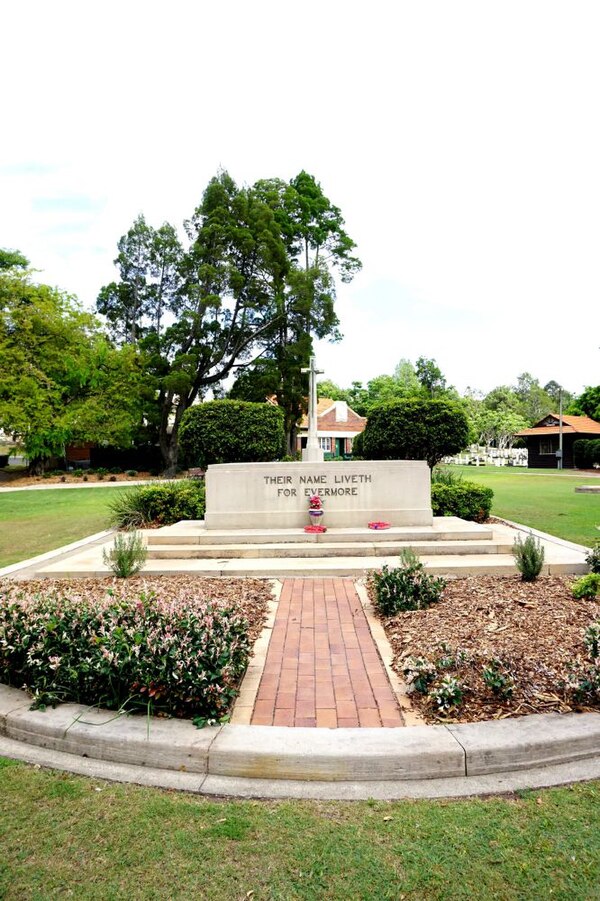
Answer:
(322, 666)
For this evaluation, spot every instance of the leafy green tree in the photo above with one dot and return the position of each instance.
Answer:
(554, 391)
(60, 379)
(12, 259)
(535, 402)
(587, 404)
(221, 296)
(318, 248)
(415, 429)
(430, 377)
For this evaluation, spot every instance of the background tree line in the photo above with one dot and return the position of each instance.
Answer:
(245, 295)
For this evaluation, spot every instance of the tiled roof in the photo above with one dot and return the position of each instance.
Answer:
(327, 422)
(580, 425)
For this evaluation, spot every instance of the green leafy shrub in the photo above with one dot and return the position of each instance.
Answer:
(131, 473)
(101, 471)
(358, 451)
(415, 429)
(587, 588)
(164, 503)
(127, 556)
(586, 453)
(182, 657)
(498, 679)
(464, 499)
(406, 587)
(231, 431)
(447, 694)
(419, 673)
(593, 558)
(583, 679)
(529, 557)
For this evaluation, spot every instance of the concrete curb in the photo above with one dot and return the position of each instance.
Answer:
(277, 761)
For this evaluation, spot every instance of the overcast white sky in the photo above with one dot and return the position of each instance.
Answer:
(460, 139)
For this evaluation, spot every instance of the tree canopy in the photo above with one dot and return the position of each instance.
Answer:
(61, 380)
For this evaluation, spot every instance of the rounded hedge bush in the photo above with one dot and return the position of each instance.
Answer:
(415, 429)
(463, 499)
(231, 431)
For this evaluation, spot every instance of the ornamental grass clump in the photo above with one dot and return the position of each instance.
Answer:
(529, 557)
(406, 587)
(127, 556)
(180, 657)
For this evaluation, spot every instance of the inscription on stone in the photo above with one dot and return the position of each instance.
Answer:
(335, 485)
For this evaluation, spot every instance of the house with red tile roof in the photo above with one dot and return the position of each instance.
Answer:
(337, 426)
(542, 439)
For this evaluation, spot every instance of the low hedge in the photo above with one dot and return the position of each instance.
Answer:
(182, 658)
(463, 499)
(586, 453)
(164, 503)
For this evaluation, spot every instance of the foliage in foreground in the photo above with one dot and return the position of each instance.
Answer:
(529, 557)
(593, 558)
(183, 657)
(163, 503)
(587, 588)
(406, 587)
(127, 556)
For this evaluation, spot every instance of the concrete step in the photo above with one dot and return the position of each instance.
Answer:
(443, 529)
(324, 549)
(279, 567)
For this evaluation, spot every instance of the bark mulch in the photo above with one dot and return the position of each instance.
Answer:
(250, 596)
(534, 630)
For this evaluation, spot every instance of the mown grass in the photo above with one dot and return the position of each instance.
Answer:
(33, 522)
(66, 836)
(542, 500)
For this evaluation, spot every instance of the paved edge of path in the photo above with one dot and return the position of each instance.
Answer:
(278, 761)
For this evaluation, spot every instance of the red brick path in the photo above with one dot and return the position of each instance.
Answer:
(322, 666)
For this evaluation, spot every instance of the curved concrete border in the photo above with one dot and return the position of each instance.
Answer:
(271, 761)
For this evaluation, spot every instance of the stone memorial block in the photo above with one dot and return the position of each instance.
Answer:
(263, 495)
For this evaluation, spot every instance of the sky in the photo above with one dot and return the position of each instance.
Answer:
(461, 140)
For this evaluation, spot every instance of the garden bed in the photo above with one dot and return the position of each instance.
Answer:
(179, 644)
(526, 635)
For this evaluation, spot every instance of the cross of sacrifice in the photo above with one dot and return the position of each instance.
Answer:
(312, 452)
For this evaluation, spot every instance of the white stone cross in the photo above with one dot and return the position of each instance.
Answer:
(312, 453)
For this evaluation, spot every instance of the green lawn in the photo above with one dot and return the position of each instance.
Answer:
(542, 499)
(32, 522)
(66, 836)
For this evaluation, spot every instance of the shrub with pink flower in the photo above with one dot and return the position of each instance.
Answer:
(181, 656)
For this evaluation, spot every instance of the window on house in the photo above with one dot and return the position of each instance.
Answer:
(325, 444)
(546, 446)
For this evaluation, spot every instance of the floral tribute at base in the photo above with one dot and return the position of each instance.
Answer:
(183, 657)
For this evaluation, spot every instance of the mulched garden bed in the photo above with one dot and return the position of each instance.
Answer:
(534, 629)
(250, 596)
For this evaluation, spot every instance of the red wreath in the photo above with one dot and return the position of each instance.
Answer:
(379, 525)
(315, 529)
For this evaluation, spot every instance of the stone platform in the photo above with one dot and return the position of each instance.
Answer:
(449, 546)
